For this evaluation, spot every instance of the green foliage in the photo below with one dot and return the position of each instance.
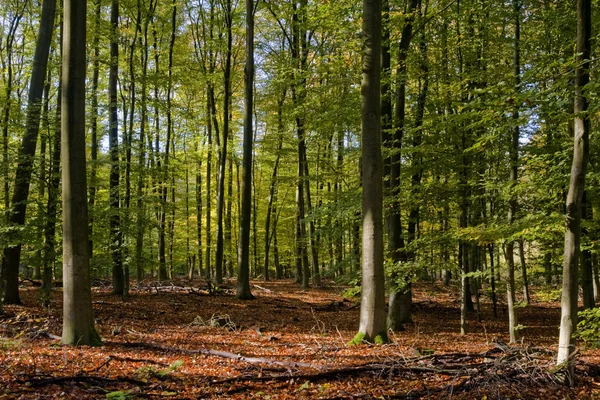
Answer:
(588, 327)
(549, 294)
(118, 395)
(352, 293)
(149, 372)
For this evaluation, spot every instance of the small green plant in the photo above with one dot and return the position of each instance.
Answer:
(149, 372)
(588, 327)
(352, 293)
(549, 295)
(119, 395)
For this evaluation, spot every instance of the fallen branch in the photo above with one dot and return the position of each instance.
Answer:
(218, 353)
(38, 382)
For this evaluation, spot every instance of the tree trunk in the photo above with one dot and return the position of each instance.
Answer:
(526, 297)
(243, 279)
(94, 121)
(78, 318)
(141, 210)
(113, 144)
(372, 308)
(272, 196)
(223, 155)
(12, 253)
(399, 298)
(587, 274)
(568, 323)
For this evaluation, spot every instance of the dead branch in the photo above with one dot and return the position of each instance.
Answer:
(38, 382)
(219, 353)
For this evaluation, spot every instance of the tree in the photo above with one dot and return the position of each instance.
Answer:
(12, 253)
(78, 319)
(116, 234)
(243, 279)
(568, 320)
(372, 307)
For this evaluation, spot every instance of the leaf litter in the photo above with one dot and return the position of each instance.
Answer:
(177, 340)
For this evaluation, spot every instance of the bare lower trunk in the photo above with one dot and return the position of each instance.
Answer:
(78, 319)
(568, 323)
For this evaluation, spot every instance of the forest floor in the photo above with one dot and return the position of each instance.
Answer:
(174, 340)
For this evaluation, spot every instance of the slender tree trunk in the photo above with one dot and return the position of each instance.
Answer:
(223, 155)
(587, 273)
(270, 205)
(209, 126)
(114, 200)
(568, 323)
(78, 318)
(49, 253)
(199, 214)
(228, 224)
(524, 272)
(141, 210)
(94, 121)
(399, 298)
(12, 253)
(243, 279)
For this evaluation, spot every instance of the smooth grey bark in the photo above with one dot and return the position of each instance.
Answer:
(78, 318)
(372, 308)
(116, 238)
(568, 320)
(243, 279)
(16, 218)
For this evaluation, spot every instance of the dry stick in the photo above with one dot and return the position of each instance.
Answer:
(219, 353)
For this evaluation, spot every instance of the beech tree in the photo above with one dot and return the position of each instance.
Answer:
(12, 252)
(581, 148)
(243, 279)
(372, 307)
(78, 319)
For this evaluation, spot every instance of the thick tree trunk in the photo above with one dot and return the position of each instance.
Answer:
(568, 323)
(372, 308)
(78, 318)
(243, 279)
